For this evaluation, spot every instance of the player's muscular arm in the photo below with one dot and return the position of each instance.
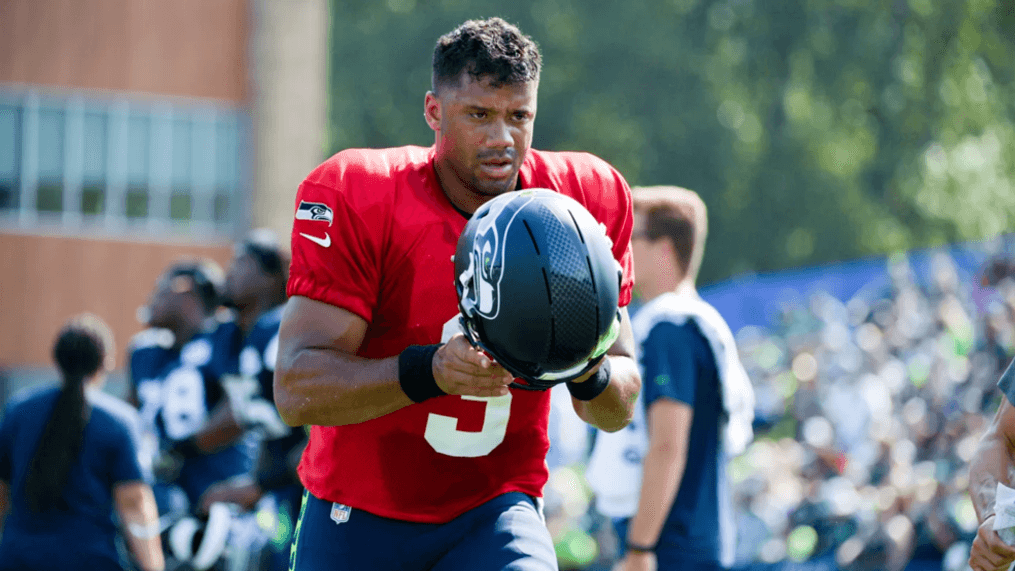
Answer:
(612, 410)
(991, 464)
(319, 379)
(993, 460)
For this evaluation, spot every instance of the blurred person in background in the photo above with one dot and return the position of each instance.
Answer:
(180, 308)
(70, 471)
(698, 403)
(166, 382)
(255, 288)
(215, 416)
(993, 464)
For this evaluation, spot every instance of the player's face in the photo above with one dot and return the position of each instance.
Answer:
(483, 133)
(165, 305)
(243, 279)
(643, 252)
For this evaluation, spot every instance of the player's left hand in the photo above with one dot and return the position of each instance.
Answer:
(461, 369)
(637, 561)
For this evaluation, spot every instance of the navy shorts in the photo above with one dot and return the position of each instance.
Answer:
(506, 533)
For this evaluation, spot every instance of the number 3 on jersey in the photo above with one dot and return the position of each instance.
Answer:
(443, 435)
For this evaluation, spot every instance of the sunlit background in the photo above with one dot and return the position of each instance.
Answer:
(857, 159)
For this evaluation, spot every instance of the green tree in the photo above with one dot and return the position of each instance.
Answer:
(815, 130)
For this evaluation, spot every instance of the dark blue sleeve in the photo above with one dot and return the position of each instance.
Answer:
(670, 368)
(7, 445)
(267, 339)
(124, 465)
(1007, 383)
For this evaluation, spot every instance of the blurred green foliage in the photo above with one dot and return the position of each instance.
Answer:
(814, 130)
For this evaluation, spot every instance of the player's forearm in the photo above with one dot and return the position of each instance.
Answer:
(325, 387)
(661, 474)
(989, 466)
(613, 409)
(135, 504)
(220, 431)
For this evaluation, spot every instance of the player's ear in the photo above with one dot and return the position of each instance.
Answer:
(432, 110)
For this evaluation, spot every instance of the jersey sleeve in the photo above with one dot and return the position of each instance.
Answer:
(669, 367)
(620, 232)
(125, 464)
(268, 354)
(335, 251)
(6, 445)
(608, 198)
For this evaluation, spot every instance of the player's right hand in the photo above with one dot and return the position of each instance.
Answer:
(461, 369)
(989, 552)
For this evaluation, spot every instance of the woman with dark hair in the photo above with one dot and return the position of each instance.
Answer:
(70, 473)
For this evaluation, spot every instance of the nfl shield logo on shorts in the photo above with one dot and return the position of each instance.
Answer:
(340, 513)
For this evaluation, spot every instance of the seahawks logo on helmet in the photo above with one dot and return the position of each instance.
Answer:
(314, 211)
(481, 280)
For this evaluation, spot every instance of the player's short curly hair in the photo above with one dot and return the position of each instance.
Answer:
(490, 49)
(207, 277)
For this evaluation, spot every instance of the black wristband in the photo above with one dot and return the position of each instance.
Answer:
(187, 448)
(594, 386)
(415, 372)
(638, 548)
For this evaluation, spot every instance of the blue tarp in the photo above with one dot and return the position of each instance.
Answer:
(755, 299)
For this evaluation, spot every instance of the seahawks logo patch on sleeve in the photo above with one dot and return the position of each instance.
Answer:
(314, 211)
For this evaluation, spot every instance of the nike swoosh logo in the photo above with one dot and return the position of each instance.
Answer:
(322, 242)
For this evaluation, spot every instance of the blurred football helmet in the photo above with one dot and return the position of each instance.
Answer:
(201, 543)
(538, 286)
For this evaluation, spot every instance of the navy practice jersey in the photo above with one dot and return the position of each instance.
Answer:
(82, 534)
(253, 401)
(1007, 383)
(149, 353)
(678, 364)
(191, 389)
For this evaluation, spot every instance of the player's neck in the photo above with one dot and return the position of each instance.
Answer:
(462, 198)
(686, 287)
(247, 315)
(184, 332)
(669, 284)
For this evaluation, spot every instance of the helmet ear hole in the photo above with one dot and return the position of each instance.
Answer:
(541, 330)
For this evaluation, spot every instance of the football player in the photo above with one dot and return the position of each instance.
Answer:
(421, 454)
(180, 310)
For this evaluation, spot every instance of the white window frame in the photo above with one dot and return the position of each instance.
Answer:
(204, 118)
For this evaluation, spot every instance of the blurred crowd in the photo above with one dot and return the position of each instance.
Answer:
(868, 413)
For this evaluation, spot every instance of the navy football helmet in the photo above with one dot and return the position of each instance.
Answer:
(538, 286)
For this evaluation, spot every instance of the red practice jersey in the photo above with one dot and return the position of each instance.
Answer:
(374, 234)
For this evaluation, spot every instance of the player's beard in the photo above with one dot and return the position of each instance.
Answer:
(496, 187)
